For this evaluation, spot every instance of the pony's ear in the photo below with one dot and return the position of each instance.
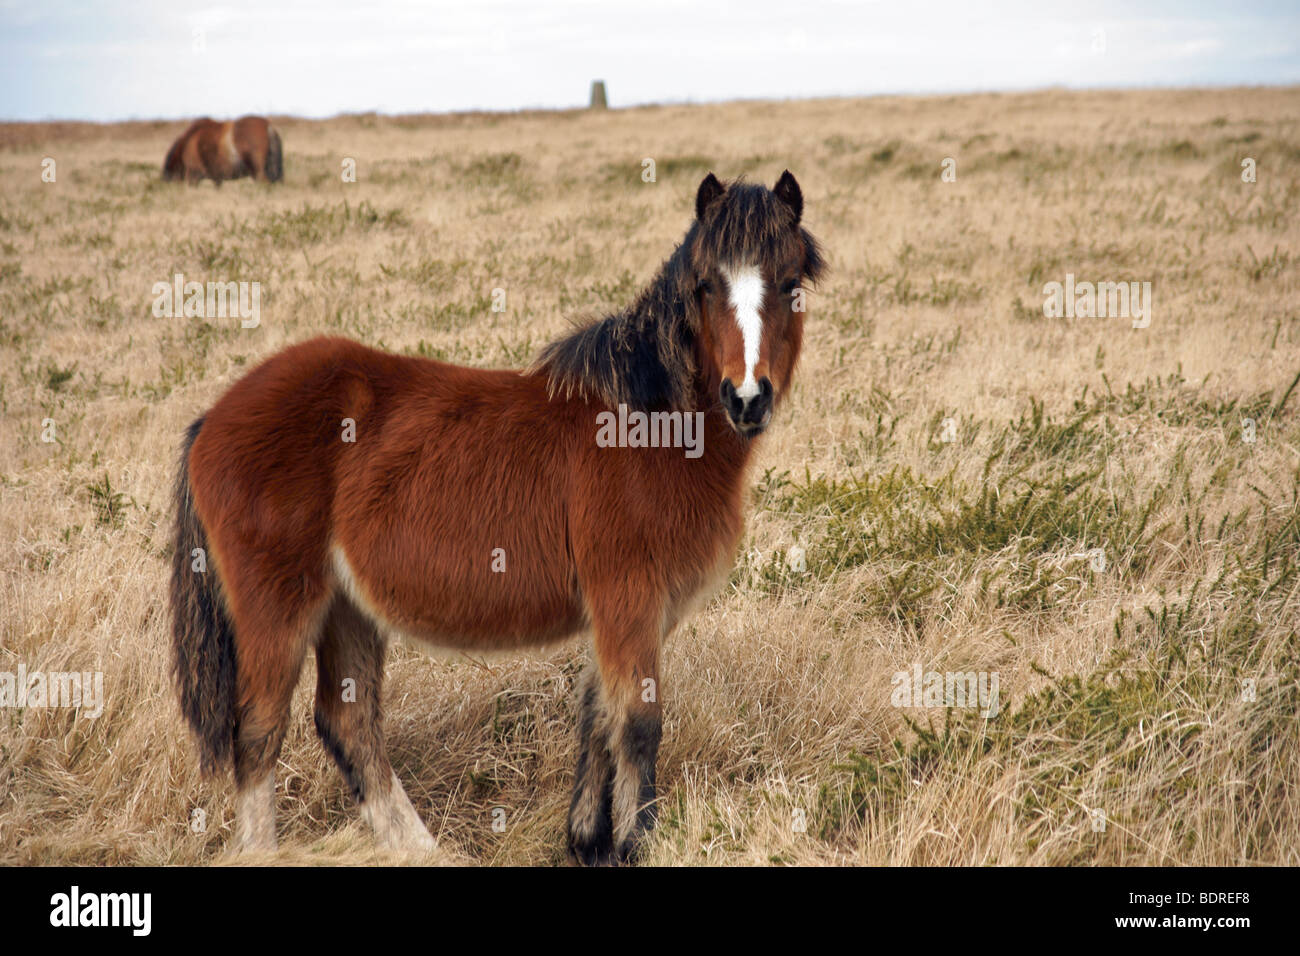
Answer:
(710, 189)
(787, 190)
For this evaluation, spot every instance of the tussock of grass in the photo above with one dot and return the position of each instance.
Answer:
(313, 224)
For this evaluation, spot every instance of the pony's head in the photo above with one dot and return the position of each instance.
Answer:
(750, 261)
(173, 165)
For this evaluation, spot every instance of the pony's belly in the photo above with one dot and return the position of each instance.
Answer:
(494, 642)
(459, 615)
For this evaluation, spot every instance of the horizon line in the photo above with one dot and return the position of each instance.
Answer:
(659, 104)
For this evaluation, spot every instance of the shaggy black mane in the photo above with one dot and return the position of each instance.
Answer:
(644, 356)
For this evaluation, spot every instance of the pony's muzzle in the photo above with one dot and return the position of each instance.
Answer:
(748, 414)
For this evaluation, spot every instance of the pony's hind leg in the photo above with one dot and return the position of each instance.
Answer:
(268, 671)
(591, 822)
(349, 720)
(255, 167)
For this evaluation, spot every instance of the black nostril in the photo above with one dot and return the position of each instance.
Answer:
(733, 403)
(761, 404)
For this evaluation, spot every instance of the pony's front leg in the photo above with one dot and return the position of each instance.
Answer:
(634, 743)
(591, 821)
(614, 794)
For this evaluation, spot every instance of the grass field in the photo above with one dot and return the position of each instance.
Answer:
(1105, 517)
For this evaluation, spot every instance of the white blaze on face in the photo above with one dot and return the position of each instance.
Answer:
(745, 286)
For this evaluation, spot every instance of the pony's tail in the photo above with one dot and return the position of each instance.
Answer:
(203, 639)
(274, 155)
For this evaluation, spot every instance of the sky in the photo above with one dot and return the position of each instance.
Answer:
(168, 60)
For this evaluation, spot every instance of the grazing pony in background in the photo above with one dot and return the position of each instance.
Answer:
(248, 146)
(337, 496)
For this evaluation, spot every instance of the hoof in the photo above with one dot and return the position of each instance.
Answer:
(597, 850)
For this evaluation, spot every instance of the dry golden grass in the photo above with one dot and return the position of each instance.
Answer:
(1120, 688)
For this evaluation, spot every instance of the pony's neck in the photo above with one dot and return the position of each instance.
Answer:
(641, 356)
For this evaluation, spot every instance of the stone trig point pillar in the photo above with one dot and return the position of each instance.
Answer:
(598, 101)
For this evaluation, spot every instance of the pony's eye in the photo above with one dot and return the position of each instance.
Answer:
(788, 287)
(705, 287)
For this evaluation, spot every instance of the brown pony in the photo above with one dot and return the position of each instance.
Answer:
(337, 496)
(248, 146)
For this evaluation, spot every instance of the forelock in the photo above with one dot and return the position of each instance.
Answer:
(749, 225)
